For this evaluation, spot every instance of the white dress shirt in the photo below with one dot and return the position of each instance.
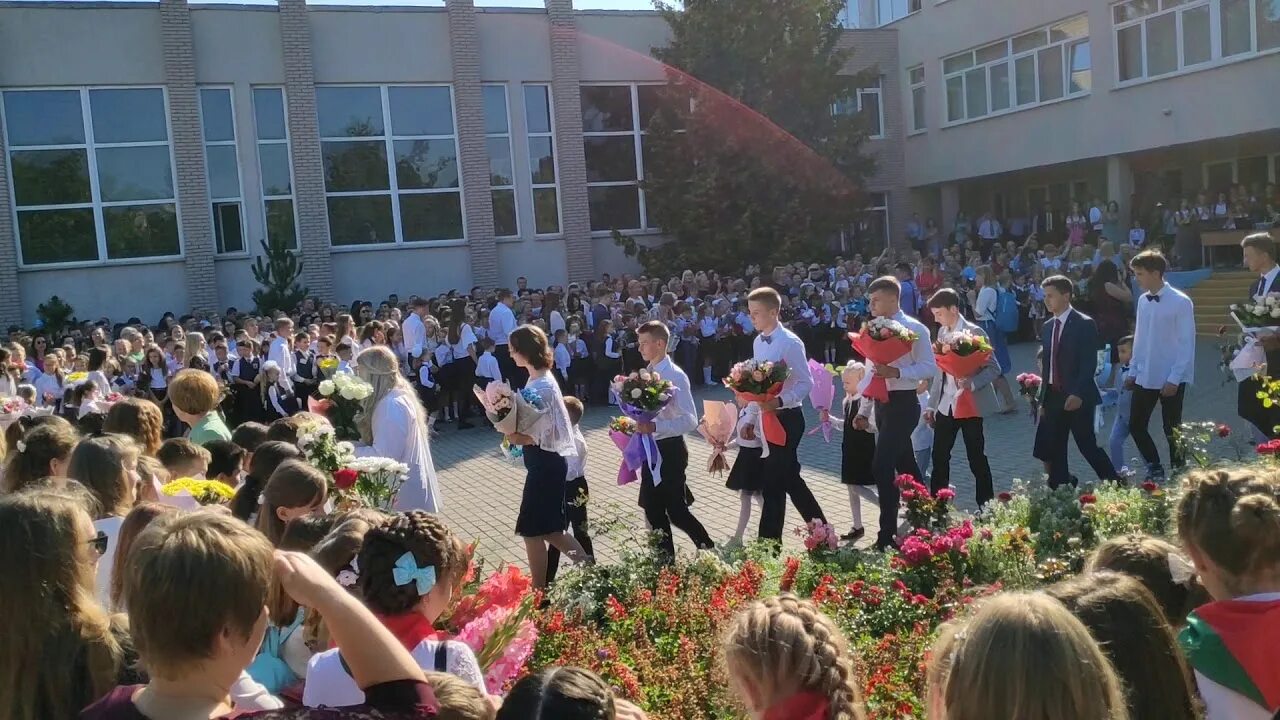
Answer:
(1164, 340)
(783, 345)
(680, 416)
(487, 366)
(576, 466)
(281, 355)
(329, 685)
(562, 359)
(501, 322)
(917, 365)
(415, 334)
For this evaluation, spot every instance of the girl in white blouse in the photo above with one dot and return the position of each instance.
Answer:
(394, 425)
(543, 510)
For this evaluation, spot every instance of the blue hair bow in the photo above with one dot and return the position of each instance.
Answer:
(407, 571)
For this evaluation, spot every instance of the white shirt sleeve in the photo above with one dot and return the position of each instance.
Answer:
(680, 416)
(794, 393)
(920, 363)
(249, 696)
(1184, 330)
(609, 351)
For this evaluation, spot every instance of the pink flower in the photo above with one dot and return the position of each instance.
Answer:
(987, 534)
(757, 376)
(1088, 499)
(946, 494)
(1149, 486)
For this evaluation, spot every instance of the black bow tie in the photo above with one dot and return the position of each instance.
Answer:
(1150, 296)
(768, 339)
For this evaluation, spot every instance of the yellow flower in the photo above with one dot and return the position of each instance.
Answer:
(206, 492)
(76, 377)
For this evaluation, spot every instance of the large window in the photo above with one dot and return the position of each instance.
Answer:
(1158, 37)
(1044, 65)
(502, 178)
(919, 120)
(1251, 172)
(544, 179)
(889, 10)
(614, 121)
(869, 106)
(92, 174)
(275, 165)
(222, 165)
(390, 164)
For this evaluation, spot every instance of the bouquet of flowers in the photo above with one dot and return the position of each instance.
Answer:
(642, 395)
(75, 378)
(328, 366)
(621, 429)
(754, 381)
(191, 493)
(508, 410)
(1259, 316)
(962, 355)
(371, 481)
(821, 395)
(718, 421)
(14, 409)
(882, 341)
(342, 398)
(323, 449)
(1029, 388)
(497, 622)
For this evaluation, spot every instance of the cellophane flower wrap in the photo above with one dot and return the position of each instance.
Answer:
(621, 429)
(190, 493)
(760, 381)
(962, 355)
(14, 409)
(882, 341)
(497, 623)
(642, 396)
(508, 410)
(341, 400)
(821, 395)
(718, 421)
(376, 483)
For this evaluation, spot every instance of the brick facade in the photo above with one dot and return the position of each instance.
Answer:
(566, 96)
(304, 141)
(473, 151)
(10, 298)
(188, 154)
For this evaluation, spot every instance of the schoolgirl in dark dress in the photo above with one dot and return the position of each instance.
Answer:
(857, 448)
(307, 381)
(244, 375)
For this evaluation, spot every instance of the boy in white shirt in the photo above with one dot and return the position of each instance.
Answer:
(487, 369)
(575, 491)
(562, 360)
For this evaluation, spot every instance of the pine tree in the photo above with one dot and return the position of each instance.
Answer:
(277, 271)
(745, 160)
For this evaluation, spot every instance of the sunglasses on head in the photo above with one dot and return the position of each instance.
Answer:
(99, 543)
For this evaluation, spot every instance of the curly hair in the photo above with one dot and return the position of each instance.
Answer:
(140, 419)
(785, 645)
(1233, 517)
(432, 543)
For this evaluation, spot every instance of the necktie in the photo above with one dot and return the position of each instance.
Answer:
(1150, 296)
(1055, 379)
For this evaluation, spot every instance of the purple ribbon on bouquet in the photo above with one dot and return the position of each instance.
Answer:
(642, 448)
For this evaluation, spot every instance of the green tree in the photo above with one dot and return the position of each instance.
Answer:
(277, 271)
(745, 160)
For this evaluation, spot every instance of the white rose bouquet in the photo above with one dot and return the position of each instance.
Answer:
(1259, 316)
(342, 398)
(371, 481)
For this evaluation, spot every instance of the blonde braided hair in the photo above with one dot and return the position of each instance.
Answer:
(785, 645)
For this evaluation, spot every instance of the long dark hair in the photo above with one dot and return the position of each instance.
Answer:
(269, 456)
(1104, 273)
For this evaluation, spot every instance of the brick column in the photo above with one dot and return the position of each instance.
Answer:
(188, 154)
(566, 96)
(473, 150)
(304, 139)
(10, 299)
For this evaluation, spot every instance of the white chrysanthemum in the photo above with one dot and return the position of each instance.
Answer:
(326, 387)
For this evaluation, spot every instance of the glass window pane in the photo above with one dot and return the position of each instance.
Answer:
(1051, 74)
(50, 177)
(1076, 27)
(650, 100)
(614, 207)
(1024, 71)
(268, 113)
(537, 108)
(133, 115)
(426, 164)
(976, 92)
(53, 236)
(227, 227)
(1030, 41)
(546, 211)
(542, 163)
(1236, 32)
(1000, 87)
(1219, 176)
(495, 109)
(1130, 41)
(361, 220)
(421, 110)
(606, 108)
(274, 159)
(871, 112)
(915, 75)
(1251, 171)
(955, 98)
(349, 111)
(224, 172)
(500, 171)
(436, 216)
(43, 117)
(957, 63)
(1134, 9)
(352, 166)
(918, 121)
(1081, 68)
(994, 51)
(610, 159)
(135, 173)
(217, 115)
(504, 213)
(1162, 44)
(280, 222)
(1195, 36)
(135, 231)
(1268, 15)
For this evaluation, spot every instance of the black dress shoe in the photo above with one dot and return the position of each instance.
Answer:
(886, 545)
(854, 534)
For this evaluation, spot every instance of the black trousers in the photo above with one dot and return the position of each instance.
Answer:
(575, 496)
(1056, 427)
(895, 421)
(515, 376)
(1144, 403)
(667, 503)
(945, 428)
(1250, 408)
(782, 479)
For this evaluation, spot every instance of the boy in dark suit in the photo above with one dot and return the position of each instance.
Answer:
(1069, 393)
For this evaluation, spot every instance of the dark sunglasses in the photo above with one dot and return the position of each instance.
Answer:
(99, 543)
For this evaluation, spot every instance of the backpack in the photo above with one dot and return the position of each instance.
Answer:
(1007, 317)
(269, 668)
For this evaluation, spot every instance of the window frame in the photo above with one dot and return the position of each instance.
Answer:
(1010, 59)
(95, 203)
(922, 86)
(1273, 167)
(234, 143)
(511, 155)
(881, 22)
(637, 133)
(287, 142)
(394, 191)
(550, 135)
(1178, 8)
(878, 91)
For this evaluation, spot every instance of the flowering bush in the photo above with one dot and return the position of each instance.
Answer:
(924, 509)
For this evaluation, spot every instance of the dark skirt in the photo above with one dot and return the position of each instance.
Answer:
(858, 451)
(542, 503)
(747, 474)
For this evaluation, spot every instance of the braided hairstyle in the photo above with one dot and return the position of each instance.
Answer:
(1232, 517)
(432, 543)
(785, 645)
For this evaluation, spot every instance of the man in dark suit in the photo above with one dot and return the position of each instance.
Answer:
(1260, 257)
(1047, 224)
(1068, 393)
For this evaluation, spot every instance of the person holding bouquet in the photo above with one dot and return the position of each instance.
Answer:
(775, 343)
(959, 403)
(666, 499)
(393, 425)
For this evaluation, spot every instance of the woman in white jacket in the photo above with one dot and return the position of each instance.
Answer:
(394, 425)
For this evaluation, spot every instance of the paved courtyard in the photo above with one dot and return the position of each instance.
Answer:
(482, 490)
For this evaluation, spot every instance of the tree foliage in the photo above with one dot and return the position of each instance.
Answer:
(277, 271)
(745, 161)
(55, 315)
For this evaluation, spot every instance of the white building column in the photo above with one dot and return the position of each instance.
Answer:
(473, 150)
(1120, 189)
(950, 206)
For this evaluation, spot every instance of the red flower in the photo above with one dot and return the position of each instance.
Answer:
(1004, 497)
(1088, 499)
(789, 574)
(615, 609)
(1271, 447)
(1149, 486)
(345, 478)
(1224, 431)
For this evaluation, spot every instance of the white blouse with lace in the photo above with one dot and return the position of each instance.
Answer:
(329, 685)
(553, 432)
